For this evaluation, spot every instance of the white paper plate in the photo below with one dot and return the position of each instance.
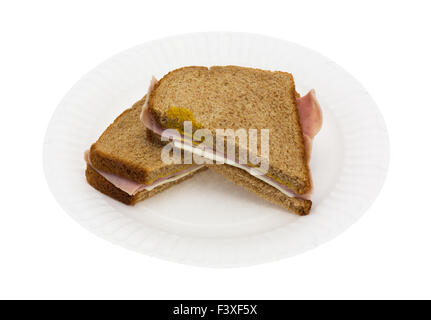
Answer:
(207, 220)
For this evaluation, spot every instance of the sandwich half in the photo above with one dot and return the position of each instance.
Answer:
(242, 98)
(127, 166)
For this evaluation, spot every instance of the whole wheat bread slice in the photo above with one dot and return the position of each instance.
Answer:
(236, 97)
(123, 149)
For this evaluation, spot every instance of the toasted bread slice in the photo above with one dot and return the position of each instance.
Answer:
(236, 97)
(124, 150)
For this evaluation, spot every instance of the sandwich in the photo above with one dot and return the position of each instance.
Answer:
(239, 98)
(126, 166)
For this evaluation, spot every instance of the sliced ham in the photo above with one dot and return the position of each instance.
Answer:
(310, 115)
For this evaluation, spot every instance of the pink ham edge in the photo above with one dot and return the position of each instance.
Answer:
(310, 115)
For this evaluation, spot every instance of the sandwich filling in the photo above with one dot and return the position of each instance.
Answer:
(311, 121)
(132, 187)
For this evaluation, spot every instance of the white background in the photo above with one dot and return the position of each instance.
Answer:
(46, 46)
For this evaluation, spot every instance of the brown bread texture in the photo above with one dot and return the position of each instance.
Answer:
(234, 97)
(299, 206)
(123, 149)
(98, 182)
(155, 138)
